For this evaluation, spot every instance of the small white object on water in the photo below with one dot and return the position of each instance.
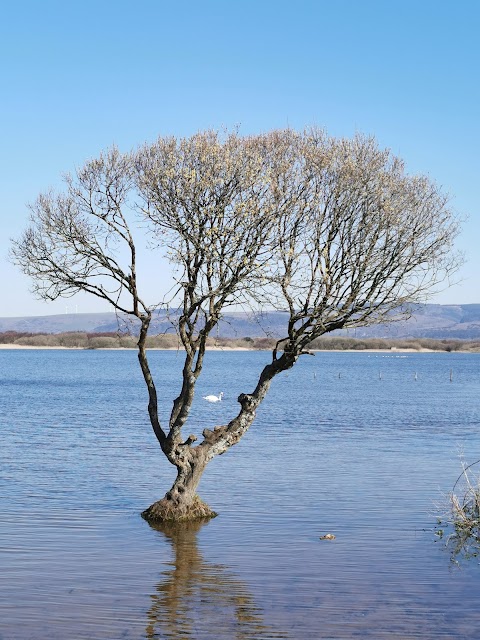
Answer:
(214, 398)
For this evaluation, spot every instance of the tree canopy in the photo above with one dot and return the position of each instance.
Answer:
(332, 231)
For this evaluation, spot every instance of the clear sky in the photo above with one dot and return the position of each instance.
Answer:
(78, 76)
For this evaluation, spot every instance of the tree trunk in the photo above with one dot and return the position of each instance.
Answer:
(182, 502)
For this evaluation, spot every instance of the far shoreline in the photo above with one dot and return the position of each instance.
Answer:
(17, 347)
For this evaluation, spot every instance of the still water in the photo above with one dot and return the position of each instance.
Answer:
(360, 445)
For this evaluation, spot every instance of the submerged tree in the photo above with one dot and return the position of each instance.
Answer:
(332, 231)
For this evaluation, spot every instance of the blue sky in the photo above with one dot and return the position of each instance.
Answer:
(79, 76)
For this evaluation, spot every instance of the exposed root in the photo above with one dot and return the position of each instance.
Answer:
(166, 511)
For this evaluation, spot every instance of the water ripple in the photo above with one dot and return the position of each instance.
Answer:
(358, 445)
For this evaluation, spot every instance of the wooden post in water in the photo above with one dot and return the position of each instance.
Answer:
(451, 375)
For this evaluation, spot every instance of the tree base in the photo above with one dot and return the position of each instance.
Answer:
(165, 511)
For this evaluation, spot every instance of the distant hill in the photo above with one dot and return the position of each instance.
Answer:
(428, 321)
(232, 325)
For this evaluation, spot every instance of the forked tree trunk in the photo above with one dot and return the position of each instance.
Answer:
(182, 502)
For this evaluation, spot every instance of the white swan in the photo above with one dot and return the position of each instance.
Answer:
(213, 398)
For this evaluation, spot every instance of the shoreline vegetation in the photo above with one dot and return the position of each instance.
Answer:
(112, 340)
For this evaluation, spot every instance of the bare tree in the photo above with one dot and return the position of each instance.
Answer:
(331, 230)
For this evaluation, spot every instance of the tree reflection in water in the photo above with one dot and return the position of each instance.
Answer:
(198, 599)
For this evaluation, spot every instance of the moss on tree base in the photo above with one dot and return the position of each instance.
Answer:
(166, 511)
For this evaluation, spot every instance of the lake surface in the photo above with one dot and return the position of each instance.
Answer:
(361, 445)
